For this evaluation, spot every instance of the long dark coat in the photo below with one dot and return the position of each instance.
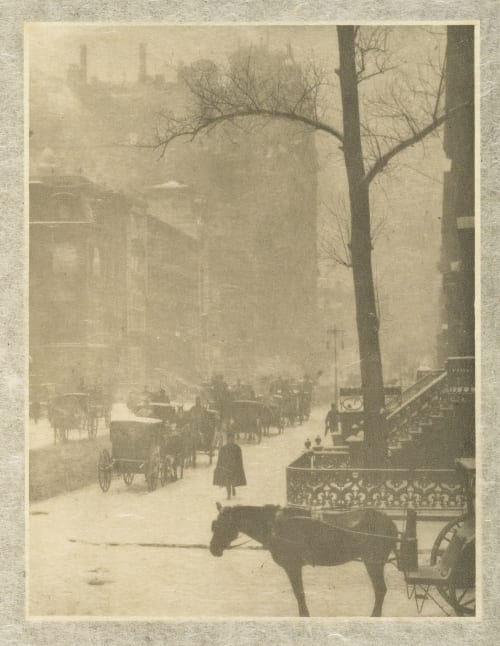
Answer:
(229, 470)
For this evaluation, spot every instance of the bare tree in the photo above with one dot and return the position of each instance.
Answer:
(257, 87)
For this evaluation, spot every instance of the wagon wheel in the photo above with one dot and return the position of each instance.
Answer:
(440, 545)
(128, 477)
(104, 470)
(462, 584)
(153, 470)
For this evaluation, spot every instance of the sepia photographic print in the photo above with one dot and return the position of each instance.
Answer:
(251, 320)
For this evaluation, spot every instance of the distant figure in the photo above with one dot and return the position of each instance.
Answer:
(229, 471)
(331, 420)
(162, 397)
(197, 415)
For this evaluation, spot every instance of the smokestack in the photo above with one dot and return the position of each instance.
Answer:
(142, 63)
(83, 63)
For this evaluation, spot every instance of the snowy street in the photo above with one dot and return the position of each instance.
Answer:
(72, 572)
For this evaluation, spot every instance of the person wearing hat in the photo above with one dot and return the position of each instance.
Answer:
(229, 471)
(331, 421)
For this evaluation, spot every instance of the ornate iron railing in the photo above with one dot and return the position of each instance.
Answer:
(423, 403)
(461, 374)
(419, 386)
(324, 487)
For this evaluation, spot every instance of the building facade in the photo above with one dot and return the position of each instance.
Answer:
(245, 229)
(457, 252)
(77, 294)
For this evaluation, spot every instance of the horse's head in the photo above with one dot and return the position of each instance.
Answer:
(224, 530)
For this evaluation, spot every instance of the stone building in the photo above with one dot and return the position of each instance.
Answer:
(77, 281)
(245, 228)
(457, 250)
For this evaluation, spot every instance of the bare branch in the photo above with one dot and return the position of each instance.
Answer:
(208, 123)
(253, 86)
(418, 136)
(372, 52)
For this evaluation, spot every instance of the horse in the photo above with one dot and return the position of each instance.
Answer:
(175, 447)
(295, 539)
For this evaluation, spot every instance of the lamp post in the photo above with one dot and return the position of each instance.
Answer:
(334, 333)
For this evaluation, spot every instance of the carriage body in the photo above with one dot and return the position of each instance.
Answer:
(246, 418)
(166, 412)
(69, 412)
(137, 447)
(452, 567)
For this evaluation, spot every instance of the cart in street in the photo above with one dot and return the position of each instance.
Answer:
(452, 567)
(71, 412)
(139, 446)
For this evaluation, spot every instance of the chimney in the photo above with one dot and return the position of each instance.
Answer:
(142, 63)
(83, 63)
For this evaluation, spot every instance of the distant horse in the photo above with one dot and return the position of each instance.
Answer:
(295, 539)
(175, 447)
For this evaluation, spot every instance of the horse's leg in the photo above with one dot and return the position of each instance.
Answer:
(295, 575)
(375, 571)
(228, 489)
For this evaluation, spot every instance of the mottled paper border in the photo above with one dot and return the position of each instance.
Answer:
(13, 312)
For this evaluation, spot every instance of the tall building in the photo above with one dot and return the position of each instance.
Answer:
(78, 291)
(260, 222)
(246, 222)
(457, 251)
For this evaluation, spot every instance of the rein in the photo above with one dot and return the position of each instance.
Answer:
(185, 546)
(232, 547)
(398, 539)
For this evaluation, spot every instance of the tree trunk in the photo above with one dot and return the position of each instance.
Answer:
(361, 249)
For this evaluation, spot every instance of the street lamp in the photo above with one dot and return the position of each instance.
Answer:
(334, 333)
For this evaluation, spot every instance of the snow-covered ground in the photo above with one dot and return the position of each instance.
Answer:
(71, 571)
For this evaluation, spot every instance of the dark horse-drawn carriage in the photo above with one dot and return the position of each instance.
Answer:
(71, 412)
(452, 567)
(246, 419)
(139, 445)
(198, 427)
(296, 539)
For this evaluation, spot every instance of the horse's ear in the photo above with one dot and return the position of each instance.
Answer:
(219, 506)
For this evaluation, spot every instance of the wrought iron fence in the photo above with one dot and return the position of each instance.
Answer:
(320, 485)
(409, 415)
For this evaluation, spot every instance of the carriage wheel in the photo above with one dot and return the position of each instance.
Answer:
(104, 470)
(128, 477)
(462, 583)
(440, 545)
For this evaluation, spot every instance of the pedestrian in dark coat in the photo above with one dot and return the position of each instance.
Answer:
(229, 471)
(331, 421)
